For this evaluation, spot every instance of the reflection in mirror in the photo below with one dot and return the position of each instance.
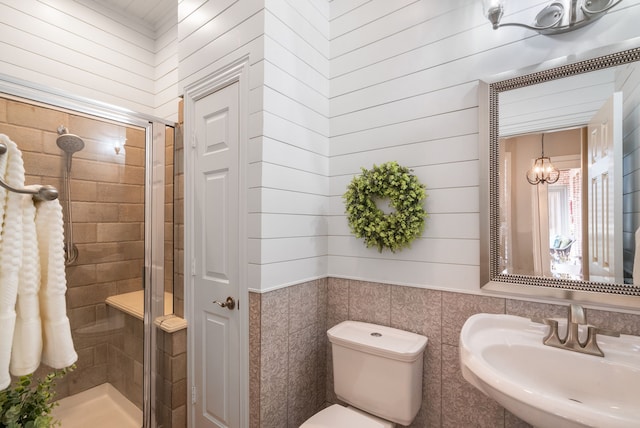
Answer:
(541, 225)
(578, 232)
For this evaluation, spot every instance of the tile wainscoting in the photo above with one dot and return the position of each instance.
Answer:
(287, 354)
(290, 358)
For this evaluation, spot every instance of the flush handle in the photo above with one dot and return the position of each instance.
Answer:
(229, 303)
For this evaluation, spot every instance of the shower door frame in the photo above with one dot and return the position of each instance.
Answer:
(155, 129)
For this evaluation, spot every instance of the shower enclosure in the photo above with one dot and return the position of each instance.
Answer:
(118, 206)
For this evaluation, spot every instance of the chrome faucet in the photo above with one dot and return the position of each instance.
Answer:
(576, 316)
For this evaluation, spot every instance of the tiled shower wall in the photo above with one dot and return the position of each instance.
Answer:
(291, 359)
(126, 355)
(108, 213)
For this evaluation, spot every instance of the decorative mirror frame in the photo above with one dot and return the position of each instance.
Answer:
(491, 279)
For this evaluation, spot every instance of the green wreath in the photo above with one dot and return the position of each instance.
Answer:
(405, 193)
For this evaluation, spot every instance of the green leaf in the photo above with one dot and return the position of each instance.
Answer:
(406, 194)
(28, 402)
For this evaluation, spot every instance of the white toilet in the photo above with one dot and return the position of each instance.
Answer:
(377, 370)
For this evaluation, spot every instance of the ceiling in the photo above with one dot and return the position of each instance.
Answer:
(150, 12)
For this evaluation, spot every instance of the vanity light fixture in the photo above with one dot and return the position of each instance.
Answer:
(556, 17)
(542, 171)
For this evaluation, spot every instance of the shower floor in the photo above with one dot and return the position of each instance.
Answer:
(99, 407)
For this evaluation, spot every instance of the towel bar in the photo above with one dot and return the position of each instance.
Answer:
(43, 193)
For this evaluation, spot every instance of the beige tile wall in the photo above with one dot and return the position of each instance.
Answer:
(287, 347)
(108, 213)
(171, 382)
(126, 355)
(289, 360)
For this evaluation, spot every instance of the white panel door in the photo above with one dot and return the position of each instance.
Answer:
(605, 192)
(216, 261)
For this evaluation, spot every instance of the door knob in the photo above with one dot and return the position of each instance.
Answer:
(229, 303)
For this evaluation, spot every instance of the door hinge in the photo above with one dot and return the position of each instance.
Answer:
(193, 267)
(194, 140)
(194, 395)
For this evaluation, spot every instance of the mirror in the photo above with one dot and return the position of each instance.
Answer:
(576, 231)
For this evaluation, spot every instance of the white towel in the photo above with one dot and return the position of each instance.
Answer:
(32, 278)
(10, 255)
(3, 172)
(57, 349)
(27, 339)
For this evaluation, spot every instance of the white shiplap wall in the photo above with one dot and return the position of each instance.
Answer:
(166, 68)
(291, 154)
(82, 49)
(404, 87)
(287, 43)
(213, 34)
(339, 85)
(334, 86)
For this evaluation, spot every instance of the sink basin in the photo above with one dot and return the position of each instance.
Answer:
(503, 356)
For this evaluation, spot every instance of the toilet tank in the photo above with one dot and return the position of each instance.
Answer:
(378, 369)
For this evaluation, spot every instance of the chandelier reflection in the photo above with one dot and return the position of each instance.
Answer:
(542, 171)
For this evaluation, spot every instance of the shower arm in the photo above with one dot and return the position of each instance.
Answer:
(42, 193)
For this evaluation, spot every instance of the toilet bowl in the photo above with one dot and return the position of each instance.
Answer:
(377, 372)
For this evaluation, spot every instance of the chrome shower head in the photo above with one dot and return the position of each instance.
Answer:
(70, 143)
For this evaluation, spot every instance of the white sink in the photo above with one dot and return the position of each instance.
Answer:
(503, 356)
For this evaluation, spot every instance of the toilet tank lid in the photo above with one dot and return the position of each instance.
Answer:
(378, 340)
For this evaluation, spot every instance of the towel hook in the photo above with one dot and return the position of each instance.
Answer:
(43, 193)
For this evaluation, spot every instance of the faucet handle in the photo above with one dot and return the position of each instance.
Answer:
(591, 346)
(604, 331)
(552, 338)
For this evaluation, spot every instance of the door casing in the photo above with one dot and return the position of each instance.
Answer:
(237, 71)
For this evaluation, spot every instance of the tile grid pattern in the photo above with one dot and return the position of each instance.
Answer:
(126, 356)
(287, 348)
(281, 375)
(171, 382)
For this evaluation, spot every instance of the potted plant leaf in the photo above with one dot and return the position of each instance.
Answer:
(27, 403)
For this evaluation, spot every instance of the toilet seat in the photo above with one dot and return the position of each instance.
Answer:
(337, 416)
